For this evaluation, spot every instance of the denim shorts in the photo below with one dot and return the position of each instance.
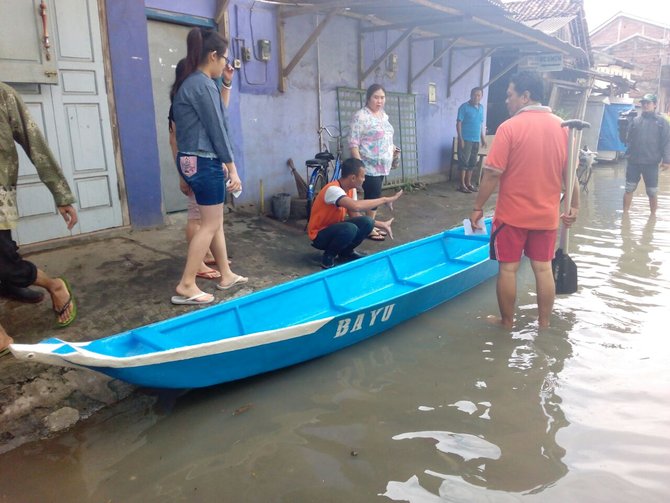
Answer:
(372, 187)
(205, 177)
(649, 173)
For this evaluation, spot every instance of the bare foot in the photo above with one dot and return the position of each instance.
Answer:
(207, 272)
(497, 320)
(60, 296)
(230, 280)
(5, 340)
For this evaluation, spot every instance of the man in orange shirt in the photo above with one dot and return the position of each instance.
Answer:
(528, 160)
(328, 229)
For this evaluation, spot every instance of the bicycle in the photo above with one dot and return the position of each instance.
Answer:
(320, 166)
(586, 160)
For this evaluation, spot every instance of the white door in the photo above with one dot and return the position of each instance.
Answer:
(167, 45)
(74, 116)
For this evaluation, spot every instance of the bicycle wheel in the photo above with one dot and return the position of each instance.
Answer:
(337, 168)
(320, 181)
(584, 178)
(316, 183)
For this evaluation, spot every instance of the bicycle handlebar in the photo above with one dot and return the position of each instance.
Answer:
(325, 128)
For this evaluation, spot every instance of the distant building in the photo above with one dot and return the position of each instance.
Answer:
(563, 19)
(629, 43)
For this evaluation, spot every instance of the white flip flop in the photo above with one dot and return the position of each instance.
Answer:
(180, 300)
(239, 280)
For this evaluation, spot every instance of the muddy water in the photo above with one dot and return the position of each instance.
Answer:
(443, 408)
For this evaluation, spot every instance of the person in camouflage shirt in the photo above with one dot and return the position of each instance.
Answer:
(16, 274)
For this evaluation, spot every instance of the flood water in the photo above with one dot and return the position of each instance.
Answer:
(443, 408)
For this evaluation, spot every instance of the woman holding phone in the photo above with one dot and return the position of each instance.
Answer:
(203, 146)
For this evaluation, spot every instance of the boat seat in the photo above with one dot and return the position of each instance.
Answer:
(377, 297)
(438, 272)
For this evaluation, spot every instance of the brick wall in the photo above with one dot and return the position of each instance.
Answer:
(622, 28)
(646, 55)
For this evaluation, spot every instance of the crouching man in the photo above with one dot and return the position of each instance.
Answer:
(328, 227)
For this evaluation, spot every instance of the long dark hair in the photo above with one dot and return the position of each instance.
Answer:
(178, 78)
(199, 43)
(372, 90)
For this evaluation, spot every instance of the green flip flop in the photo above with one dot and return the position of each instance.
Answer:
(70, 301)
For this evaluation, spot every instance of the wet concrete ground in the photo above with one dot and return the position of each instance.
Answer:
(124, 279)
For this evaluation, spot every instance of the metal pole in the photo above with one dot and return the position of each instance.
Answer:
(569, 186)
(318, 86)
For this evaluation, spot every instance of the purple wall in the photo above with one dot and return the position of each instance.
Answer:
(201, 8)
(129, 52)
(268, 127)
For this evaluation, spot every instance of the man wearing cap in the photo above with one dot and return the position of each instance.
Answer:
(648, 145)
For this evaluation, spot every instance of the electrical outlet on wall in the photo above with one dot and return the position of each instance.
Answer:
(264, 50)
(246, 54)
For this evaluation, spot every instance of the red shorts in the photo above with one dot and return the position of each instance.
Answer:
(509, 242)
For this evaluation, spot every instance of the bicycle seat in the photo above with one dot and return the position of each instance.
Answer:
(316, 162)
(326, 156)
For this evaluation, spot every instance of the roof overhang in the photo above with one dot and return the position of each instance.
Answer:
(483, 24)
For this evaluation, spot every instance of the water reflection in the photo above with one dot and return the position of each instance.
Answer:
(635, 259)
(504, 424)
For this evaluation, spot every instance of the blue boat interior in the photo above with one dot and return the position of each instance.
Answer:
(366, 282)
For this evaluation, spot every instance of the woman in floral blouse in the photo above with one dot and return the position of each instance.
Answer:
(371, 141)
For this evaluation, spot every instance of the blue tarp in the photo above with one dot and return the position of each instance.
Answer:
(609, 130)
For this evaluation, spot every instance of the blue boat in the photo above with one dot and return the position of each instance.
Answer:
(286, 324)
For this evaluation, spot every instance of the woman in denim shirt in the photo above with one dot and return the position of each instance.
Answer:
(203, 146)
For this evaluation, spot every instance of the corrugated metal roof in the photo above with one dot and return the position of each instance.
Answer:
(549, 25)
(482, 24)
(526, 10)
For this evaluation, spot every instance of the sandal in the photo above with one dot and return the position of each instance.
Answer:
(68, 303)
(375, 236)
(211, 274)
(381, 232)
(465, 190)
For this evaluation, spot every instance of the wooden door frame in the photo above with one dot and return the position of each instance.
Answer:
(111, 103)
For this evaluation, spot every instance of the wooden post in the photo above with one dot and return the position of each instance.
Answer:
(281, 54)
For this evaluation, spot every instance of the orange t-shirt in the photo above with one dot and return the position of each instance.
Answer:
(531, 151)
(326, 212)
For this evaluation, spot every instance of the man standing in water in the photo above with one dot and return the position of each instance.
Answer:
(648, 142)
(528, 159)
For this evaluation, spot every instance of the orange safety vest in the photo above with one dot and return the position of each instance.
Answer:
(323, 214)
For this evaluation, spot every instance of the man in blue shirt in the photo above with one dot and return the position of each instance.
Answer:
(470, 129)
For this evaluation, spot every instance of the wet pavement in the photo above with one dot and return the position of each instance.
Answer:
(124, 278)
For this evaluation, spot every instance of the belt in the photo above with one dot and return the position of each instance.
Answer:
(201, 153)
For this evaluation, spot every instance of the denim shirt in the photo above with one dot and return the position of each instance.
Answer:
(201, 118)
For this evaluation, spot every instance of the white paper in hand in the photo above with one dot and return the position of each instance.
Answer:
(469, 231)
(237, 192)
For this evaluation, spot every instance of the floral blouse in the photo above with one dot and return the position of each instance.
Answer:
(373, 137)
